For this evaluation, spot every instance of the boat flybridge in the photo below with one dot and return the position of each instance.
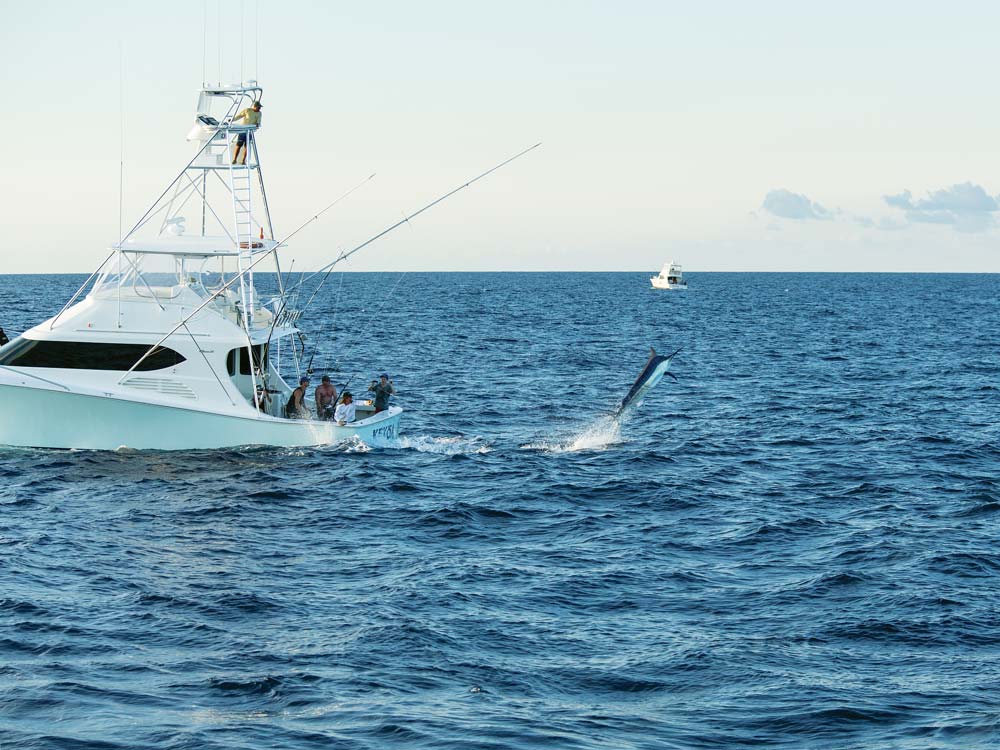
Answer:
(171, 345)
(670, 277)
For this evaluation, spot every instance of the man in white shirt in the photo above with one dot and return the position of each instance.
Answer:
(345, 409)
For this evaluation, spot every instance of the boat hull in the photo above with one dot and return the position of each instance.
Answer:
(44, 418)
(659, 283)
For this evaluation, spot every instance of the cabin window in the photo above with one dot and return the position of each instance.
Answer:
(259, 356)
(84, 355)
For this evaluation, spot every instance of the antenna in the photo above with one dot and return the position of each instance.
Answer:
(121, 136)
(242, 38)
(121, 169)
(204, 40)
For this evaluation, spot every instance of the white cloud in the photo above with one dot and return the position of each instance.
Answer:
(788, 205)
(966, 207)
(885, 223)
(903, 200)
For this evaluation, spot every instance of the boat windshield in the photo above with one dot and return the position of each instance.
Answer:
(159, 276)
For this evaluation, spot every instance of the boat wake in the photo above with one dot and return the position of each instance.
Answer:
(445, 446)
(598, 435)
(448, 446)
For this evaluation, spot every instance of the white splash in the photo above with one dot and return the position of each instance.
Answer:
(448, 446)
(598, 435)
(354, 444)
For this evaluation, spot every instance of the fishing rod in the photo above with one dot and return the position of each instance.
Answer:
(322, 282)
(328, 269)
(406, 219)
(360, 335)
(343, 256)
(310, 221)
(239, 276)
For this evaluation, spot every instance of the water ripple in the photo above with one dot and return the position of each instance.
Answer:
(793, 546)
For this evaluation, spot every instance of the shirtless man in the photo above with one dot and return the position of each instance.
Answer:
(326, 399)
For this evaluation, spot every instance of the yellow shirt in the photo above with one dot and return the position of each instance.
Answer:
(249, 116)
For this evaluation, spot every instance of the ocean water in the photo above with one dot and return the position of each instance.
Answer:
(794, 546)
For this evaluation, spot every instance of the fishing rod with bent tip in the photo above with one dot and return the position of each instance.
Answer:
(342, 256)
(406, 219)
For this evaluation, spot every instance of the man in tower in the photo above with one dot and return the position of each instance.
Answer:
(249, 116)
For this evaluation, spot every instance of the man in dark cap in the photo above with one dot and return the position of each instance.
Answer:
(383, 388)
(251, 117)
(296, 406)
(346, 411)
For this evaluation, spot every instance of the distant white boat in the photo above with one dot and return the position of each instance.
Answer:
(670, 277)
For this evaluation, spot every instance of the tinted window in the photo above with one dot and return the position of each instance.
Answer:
(80, 355)
(259, 356)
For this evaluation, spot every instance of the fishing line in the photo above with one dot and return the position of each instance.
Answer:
(320, 285)
(304, 224)
(417, 213)
(288, 276)
(336, 304)
(242, 273)
(360, 336)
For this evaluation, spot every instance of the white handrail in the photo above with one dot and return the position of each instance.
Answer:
(36, 377)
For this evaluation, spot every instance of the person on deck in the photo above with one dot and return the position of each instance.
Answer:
(296, 406)
(383, 388)
(263, 399)
(346, 411)
(250, 116)
(326, 399)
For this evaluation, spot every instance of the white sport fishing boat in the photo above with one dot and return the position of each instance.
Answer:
(670, 277)
(171, 346)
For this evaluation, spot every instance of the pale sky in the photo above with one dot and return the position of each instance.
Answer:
(766, 136)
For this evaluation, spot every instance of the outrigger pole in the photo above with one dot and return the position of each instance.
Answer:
(341, 257)
(405, 219)
(328, 268)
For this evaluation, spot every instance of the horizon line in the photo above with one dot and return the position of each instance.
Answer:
(577, 271)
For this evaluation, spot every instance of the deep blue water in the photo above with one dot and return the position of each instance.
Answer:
(795, 546)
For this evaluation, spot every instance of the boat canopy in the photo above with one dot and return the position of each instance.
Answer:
(166, 273)
(670, 269)
(193, 247)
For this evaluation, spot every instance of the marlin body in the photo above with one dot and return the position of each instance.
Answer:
(656, 367)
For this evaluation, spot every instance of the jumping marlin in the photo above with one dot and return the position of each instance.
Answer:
(656, 367)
